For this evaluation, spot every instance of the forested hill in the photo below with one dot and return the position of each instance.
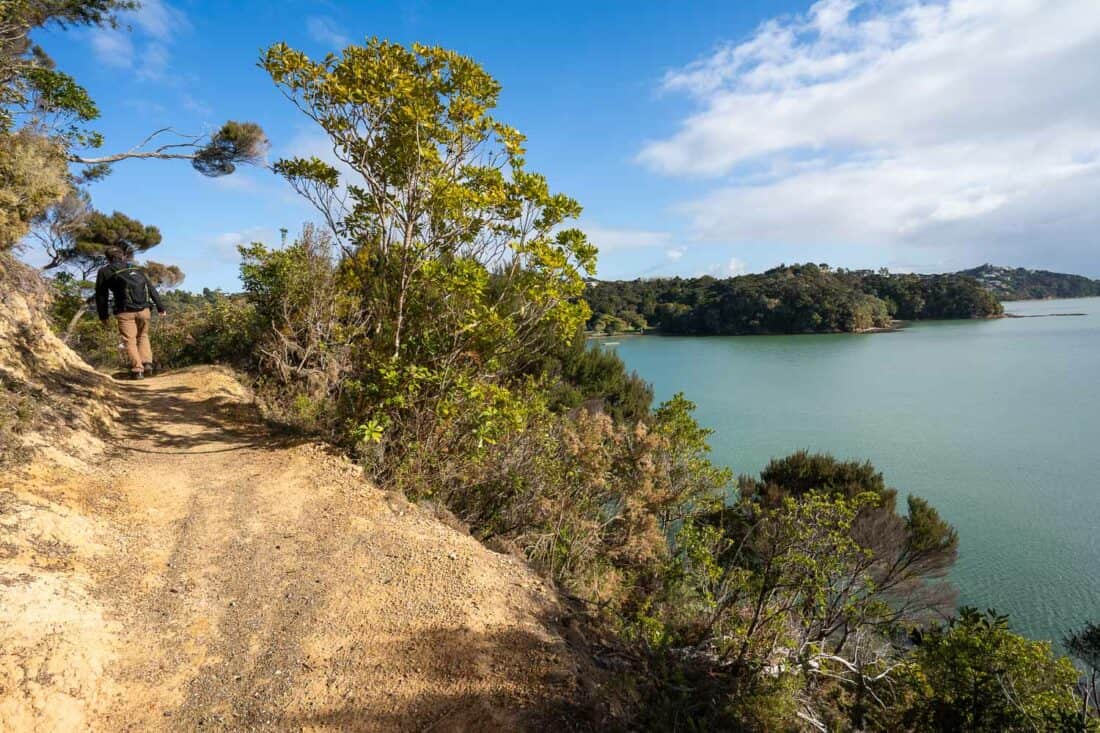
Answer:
(1018, 283)
(804, 298)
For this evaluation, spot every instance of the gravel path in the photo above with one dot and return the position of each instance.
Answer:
(219, 577)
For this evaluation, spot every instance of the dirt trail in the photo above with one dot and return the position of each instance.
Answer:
(209, 575)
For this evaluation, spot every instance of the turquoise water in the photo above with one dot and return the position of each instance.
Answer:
(997, 423)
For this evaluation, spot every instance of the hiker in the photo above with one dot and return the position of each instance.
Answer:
(133, 295)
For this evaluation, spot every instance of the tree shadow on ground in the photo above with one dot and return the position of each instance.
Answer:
(510, 680)
(168, 420)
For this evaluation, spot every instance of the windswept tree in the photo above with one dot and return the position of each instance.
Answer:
(45, 116)
(908, 554)
(83, 251)
(460, 259)
(80, 250)
(163, 276)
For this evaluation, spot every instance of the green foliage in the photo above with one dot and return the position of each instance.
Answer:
(590, 501)
(922, 297)
(33, 176)
(310, 325)
(912, 552)
(219, 329)
(803, 472)
(30, 86)
(1084, 645)
(805, 298)
(235, 142)
(456, 262)
(1008, 283)
(974, 674)
(100, 231)
(582, 373)
(432, 329)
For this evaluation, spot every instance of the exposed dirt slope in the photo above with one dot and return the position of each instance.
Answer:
(207, 574)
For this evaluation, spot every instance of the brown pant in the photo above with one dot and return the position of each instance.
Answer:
(134, 328)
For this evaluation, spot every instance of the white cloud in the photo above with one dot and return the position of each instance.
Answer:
(610, 240)
(736, 267)
(152, 62)
(112, 47)
(325, 31)
(223, 247)
(676, 253)
(160, 20)
(193, 104)
(732, 268)
(155, 25)
(970, 123)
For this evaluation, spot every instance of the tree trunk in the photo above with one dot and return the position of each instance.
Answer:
(75, 320)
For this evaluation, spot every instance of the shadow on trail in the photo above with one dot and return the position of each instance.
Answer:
(164, 420)
(543, 699)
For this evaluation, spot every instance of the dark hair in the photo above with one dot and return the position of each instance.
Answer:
(116, 254)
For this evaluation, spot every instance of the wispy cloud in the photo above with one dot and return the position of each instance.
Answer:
(193, 104)
(144, 42)
(676, 253)
(964, 123)
(609, 239)
(326, 31)
(223, 247)
(112, 47)
(160, 20)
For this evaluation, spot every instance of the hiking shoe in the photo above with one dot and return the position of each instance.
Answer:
(150, 370)
(137, 375)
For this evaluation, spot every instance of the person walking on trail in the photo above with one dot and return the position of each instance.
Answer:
(133, 295)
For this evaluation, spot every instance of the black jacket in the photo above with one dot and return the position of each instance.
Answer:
(107, 282)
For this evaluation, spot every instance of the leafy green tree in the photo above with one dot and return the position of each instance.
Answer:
(976, 675)
(910, 553)
(807, 298)
(99, 232)
(582, 373)
(460, 258)
(33, 177)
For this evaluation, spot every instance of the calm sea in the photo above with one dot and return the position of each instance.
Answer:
(997, 423)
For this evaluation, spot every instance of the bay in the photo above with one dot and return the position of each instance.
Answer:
(997, 423)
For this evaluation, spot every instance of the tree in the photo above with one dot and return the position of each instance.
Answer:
(910, 554)
(976, 675)
(163, 276)
(33, 177)
(55, 228)
(212, 155)
(79, 241)
(1085, 645)
(460, 258)
(45, 113)
(100, 232)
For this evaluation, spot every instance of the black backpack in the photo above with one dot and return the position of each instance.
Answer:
(135, 288)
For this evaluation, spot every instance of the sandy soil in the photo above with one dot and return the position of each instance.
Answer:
(207, 574)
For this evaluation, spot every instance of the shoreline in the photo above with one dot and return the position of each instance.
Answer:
(894, 327)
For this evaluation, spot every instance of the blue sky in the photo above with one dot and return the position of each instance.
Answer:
(707, 136)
